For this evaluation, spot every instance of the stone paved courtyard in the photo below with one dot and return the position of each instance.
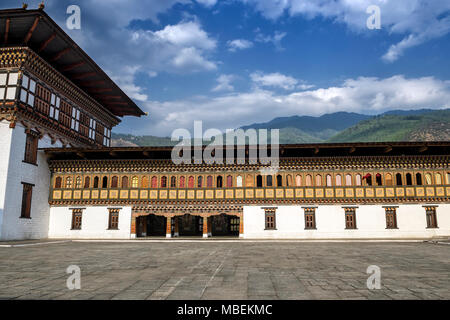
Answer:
(225, 270)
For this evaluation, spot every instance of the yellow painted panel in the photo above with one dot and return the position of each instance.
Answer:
(123, 194)
(57, 194)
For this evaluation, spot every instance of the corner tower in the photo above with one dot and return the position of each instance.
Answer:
(52, 94)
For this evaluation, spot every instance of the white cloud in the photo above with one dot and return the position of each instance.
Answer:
(207, 3)
(274, 80)
(275, 39)
(239, 44)
(224, 83)
(363, 95)
(418, 20)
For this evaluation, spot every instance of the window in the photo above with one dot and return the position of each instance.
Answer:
(378, 179)
(155, 182)
(249, 181)
(163, 182)
(105, 182)
(391, 218)
(124, 182)
(28, 90)
(358, 180)
(310, 218)
(270, 218)
(173, 182)
(298, 180)
(144, 182)
(409, 179)
(96, 182)
(398, 179)
(114, 182)
(26, 200)
(76, 218)
(229, 181)
(308, 180)
(289, 180)
(113, 223)
(8, 85)
(329, 180)
(438, 178)
(209, 181)
(318, 180)
(69, 182)
(55, 103)
(350, 218)
(431, 217)
(219, 181)
(182, 181)
(199, 181)
(31, 146)
(238, 181)
(134, 182)
(259, 181)
(338, 180)
(368, 178)
(58, 182)
(428, 178)
(269, 181)
(448, 178)
(87, 182)
(419, 179)
(191, 182)
(78, 182)
(75, 123)
(279, 180)
(348, 180)
(106, 137)
(92, 128)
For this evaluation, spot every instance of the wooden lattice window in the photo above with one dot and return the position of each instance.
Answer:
(431, 217)
(26, 200)
(31, 147)
(350, 218)
(310, 218)
(270, 218)
(77, 215)
(113, 223)
(391, 218)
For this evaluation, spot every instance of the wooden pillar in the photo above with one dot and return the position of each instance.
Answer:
(176, 232)
(241, 226)
(169, 227)
(205, 227)
(133, 226)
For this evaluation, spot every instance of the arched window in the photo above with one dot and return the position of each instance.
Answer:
(318, 180)
(419, 179)
(289, 180)
(448, 177)
(329, 180)
(229, 181)
(259, 181)
(191, 182)
(105, 182)
(114, 182)
(96, 182)
(388, 179)
(338, 180)
(358, 180)
(182, 181)
(238, 181)
(163, 182)
(428, 178)
(78, 182)
(398, 179)
(269, 181)
(144, 182)
(154, 182)
(409, 179)
(308, 180)
(87, 182)
(298, 180)
(438, 178)
(135, 182)
(378, 179)
(173, 182)
(219, 181)
(69, 182)
(125, 182)
(249, 181)
(58, 182)
(209, 181)
(199, 181)
(368, 178)
(348, 179)
(279, 180)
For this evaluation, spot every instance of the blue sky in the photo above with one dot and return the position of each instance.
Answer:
(234, 62)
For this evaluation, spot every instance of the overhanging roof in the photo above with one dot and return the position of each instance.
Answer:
(286, 151)
(36, 30)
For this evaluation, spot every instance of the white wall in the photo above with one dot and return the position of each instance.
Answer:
(330, 223)
(94, 223)
(13, 171)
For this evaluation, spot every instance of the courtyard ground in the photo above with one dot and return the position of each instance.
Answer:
(225, 270)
